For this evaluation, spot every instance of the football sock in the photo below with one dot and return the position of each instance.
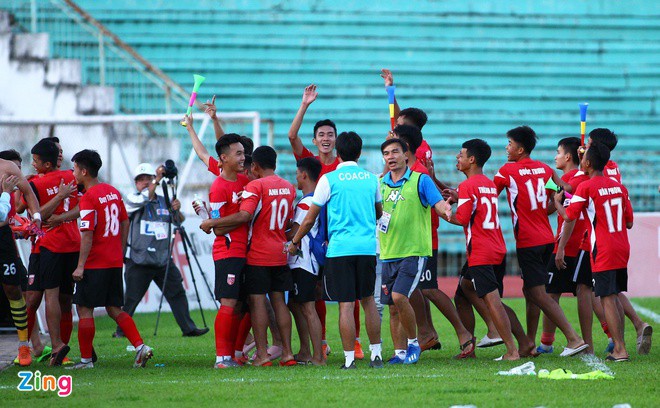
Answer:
(127, 325)
(85, 360)
(223, 338)
(66, 326)
(413, 342)
(86, 332)
(31, 318)
(547, 338)
(19, 314)
(241, 334)
(356, 315)
(400, 353)
(349, 357)
(321, 311)
(606, 329)
(376, 350)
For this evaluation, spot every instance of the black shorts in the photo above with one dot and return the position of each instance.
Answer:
(100, 288)
(260, 280)
(10, 262)
(429, 278)
(34, 279)
(56, 270)
(533, 263)
(229, 278)
(561, 281)
(402, 277)
(349, 278)
(304, 285)
(583, 270)
(486, 278)
(610, 282)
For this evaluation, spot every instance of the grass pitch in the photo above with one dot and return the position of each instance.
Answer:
(188, 377)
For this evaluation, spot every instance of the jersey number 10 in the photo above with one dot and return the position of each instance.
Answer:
(278, 213)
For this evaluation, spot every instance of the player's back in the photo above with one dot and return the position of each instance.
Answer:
(102, 210)
(478, 205)
(274, 198)
(525, 181)
(609, 209)
(612, 171)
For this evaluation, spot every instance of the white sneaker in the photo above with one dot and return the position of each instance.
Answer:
(488, 342)
(142, 356)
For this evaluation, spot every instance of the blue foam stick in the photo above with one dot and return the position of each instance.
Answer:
(390, 93)
(583, 111)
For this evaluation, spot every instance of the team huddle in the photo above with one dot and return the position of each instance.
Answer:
(356, 238)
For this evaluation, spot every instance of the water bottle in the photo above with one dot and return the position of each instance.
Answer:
(200, 208)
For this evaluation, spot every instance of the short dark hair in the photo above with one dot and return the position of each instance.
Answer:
(53, 139)
(88, 160)
(324, 122)
(222, 145)
(524, 136)
(349, 146)
(415, 115)
(311, 166)
(605, 136)
(411, 135)
(478, 149)
(11, 155)
(47, 151)
(598, 154)
(248, 146)
(571, 146)
(265, 157)
(402, 143)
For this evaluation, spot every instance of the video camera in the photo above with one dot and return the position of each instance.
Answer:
(170, 169)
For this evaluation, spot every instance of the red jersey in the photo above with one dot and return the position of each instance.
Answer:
(325, 168)
(270, 201)
(477, 212)
(574, 178)
(224, 200)
(608, 207)
(213, 166)
(424, 152)
(102, 211)
(611, 170)
(64, 238)
(419, 167)
(525, 183)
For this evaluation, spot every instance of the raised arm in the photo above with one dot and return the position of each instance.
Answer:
(211, 110)
(387, 76)
(199, 148)
(309, 96)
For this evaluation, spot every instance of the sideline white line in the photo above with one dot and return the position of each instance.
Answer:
(646, 312)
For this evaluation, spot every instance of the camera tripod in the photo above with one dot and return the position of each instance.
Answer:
(187, 249)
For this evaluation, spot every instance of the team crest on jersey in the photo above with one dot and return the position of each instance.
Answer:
(31, 280)
(231, 279)
(395, 196)
(235, 197)
(385, 291)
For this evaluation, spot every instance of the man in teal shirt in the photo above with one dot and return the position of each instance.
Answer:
(352, 198)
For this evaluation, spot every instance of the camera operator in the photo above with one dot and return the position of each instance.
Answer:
(148, 249)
